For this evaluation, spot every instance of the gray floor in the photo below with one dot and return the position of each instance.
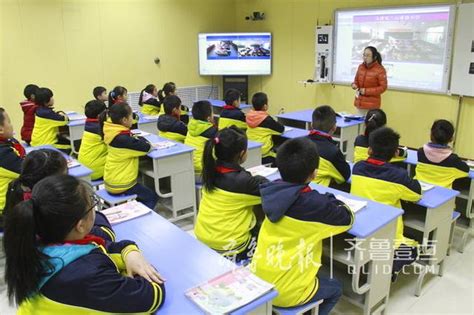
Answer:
(451, 294)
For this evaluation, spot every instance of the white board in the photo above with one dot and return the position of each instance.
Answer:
(462, 76)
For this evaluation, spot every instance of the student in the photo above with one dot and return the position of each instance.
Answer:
(374, 119)
(12, 154)
(200, 129)
(169, 89)
(231, 114)
(169, 124)
(100, 94)
(437, 164)
(297, 221)
(47, 123)
(54, 266)
(93, 150)
(332, 164)
(28, 107)
(226, 221)
(123, 152)
(148, 100)
(378, 180)
(261, 127)
(118, 95)
(40, 164)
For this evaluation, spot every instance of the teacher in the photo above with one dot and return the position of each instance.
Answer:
(370, 81)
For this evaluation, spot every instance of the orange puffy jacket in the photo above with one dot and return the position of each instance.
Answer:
(373, 79)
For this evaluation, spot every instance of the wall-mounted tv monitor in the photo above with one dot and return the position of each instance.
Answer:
(235, 54)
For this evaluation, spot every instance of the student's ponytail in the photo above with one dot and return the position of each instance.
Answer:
(149, 89)
(115, 93)
(374, 119)
(168, 88)
(102, 119)
(226, 146)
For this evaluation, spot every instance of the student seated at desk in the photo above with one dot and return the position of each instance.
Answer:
(40, 164)
(200, 129)
(226, 221)
(123, 152)
(332, 164)
(231, 114)
(437, 164)
(28, 106)
(100, 94)
(261, 127)
(55, 266)
(383, 182)
(168, 89)
(12, 154)
(297, 221)
(169, 124)
(148, 100)
(93, 150)
(47, 123)
(119, 94)
(374, 119)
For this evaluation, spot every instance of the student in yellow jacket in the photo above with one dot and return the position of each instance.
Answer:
(226, 221)
(148, 100)
(93, 150)
(298, 219)
(200, 129)
(378, 180)
(47, 123)
(374, 119)
(332, 163)
(231, 114)
(168, 89)
(169, 125)
(54, 266)
(437, 164)
(12, 154)
(262, 127)
(124, 150)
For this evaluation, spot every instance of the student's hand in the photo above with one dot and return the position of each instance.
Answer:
(354, 86)
(362, 91)
(137, 265)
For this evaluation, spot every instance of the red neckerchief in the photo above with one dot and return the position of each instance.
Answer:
(314, 132)
(88, 239)
(125, 132)
(26, 195)
(375, 162)
(15, 145)
(225, 170)
(92, 120)
(306, 189)
(229, 107)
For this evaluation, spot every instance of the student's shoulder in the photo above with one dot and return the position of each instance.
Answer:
(127, 141)
(241, 182)
(361, 141)
(210, 132)
(48, 113)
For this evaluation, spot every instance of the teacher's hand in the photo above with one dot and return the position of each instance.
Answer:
(362, 91)
(354, 86)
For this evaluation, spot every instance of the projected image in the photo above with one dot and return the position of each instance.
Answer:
(418, 37)
(238, 47)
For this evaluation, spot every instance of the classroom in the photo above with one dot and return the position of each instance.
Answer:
(236, 157)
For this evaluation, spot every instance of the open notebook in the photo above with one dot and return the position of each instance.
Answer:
(72, 163)
(125, 211)
(353, 204)
(425, 186)
(262, 170)
(228, 292)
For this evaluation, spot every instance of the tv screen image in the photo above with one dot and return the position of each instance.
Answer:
(235, 53)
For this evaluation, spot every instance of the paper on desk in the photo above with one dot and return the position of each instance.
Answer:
(75, 116)
(140, 133)
(125, 211)
(151, 117)
(262, 170)
(470, 164)
(228, 292)
(354, 205)
(160, 145)
(72, 163)
(288, 129)
(425, 186)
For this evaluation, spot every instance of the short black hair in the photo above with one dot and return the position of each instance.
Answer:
(442, 131)
(259, 100)
(384, 143)
(98, 90)
(2, 116)
(231, 95)
(29, 90)
(202, 110)
(43, 96)
(324, 118)
(171, 102)
(94, 108)
(296, 159)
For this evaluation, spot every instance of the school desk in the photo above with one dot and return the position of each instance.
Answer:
(183, 261)
(218, 106)
(345, 134)
(80, 171)
(175, 162)
(254, 154)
